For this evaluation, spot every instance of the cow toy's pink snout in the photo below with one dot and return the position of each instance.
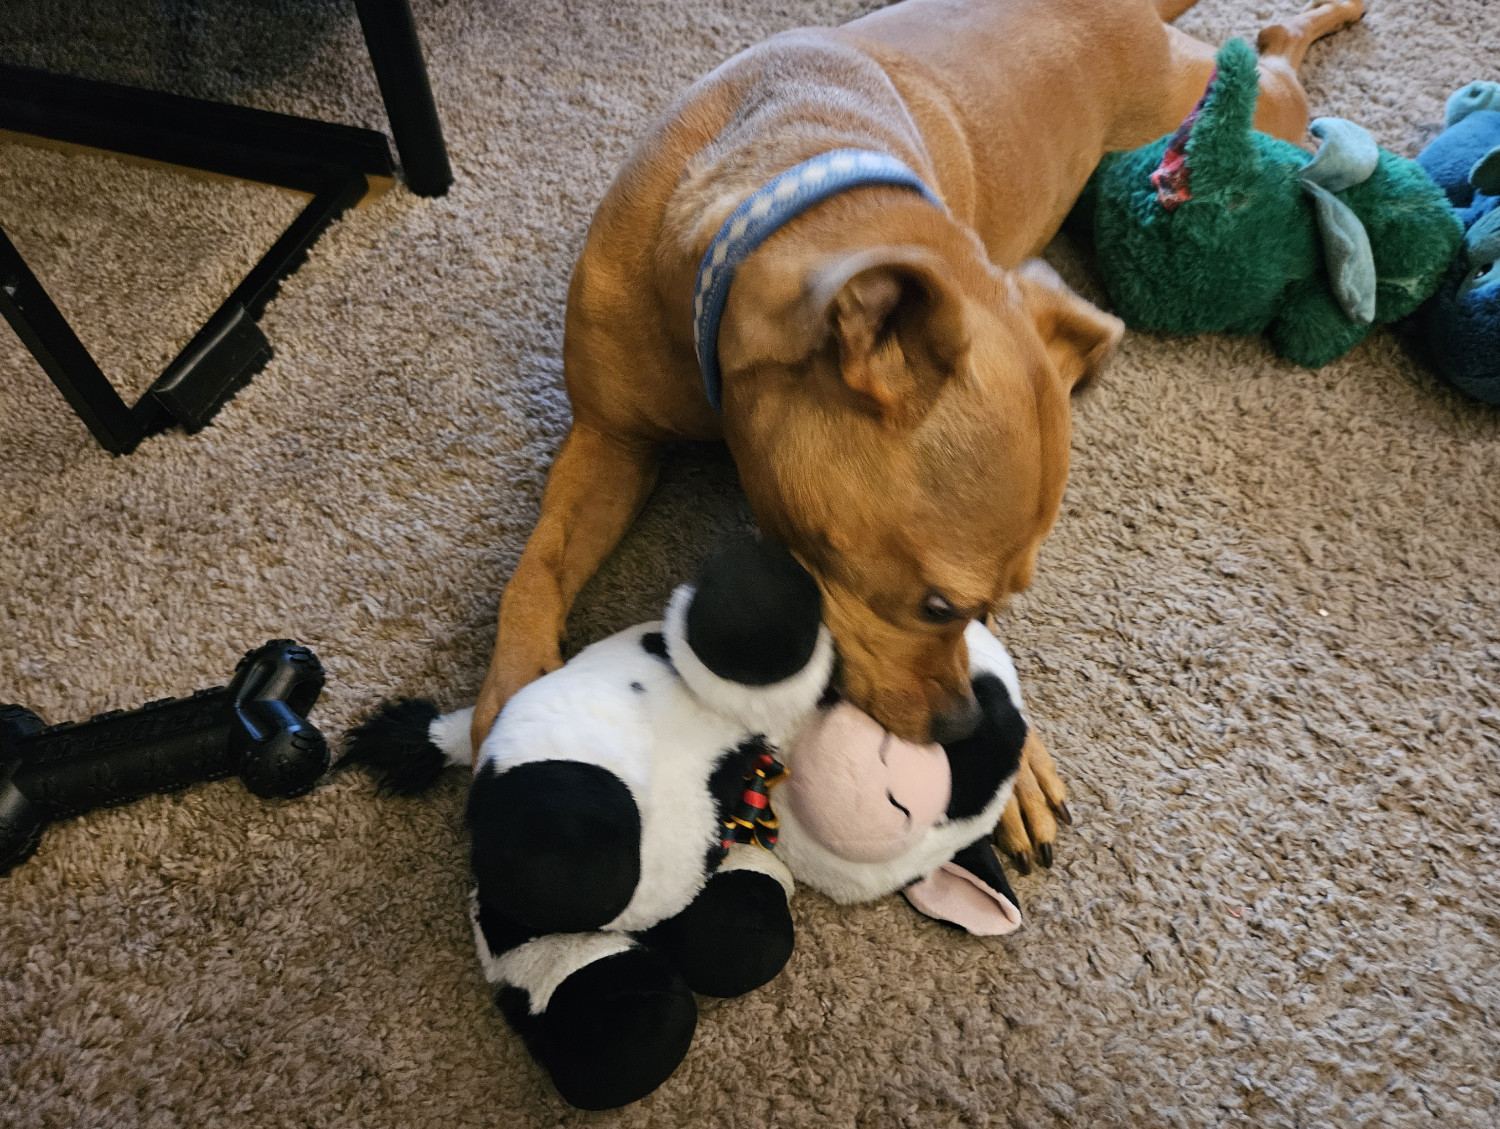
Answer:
(864, 794)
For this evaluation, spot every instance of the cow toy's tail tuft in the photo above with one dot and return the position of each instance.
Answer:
(406, 744)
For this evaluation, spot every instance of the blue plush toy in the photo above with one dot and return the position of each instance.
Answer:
(1461, 322)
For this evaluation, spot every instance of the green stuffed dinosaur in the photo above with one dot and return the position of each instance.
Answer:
(1221, 228)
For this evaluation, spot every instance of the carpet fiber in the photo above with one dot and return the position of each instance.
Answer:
(1262, 644)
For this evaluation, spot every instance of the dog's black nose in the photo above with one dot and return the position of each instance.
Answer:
(956, 723)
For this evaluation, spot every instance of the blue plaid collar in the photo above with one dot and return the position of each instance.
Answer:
(760, 215)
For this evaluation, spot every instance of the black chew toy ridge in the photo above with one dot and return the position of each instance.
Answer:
(255, 727)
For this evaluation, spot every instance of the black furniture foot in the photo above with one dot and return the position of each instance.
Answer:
(256, 726)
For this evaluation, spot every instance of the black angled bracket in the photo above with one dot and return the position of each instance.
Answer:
(332, 163)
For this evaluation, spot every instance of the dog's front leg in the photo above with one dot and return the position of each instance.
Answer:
(597, 486)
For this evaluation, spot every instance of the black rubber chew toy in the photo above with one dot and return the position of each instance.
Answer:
(256, 726)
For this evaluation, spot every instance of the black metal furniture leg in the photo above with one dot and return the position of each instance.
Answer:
(391, 36)
(46, 333)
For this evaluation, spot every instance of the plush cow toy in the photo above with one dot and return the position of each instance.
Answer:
(624, 845)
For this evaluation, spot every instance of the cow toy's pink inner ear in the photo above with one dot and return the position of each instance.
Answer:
(863, 794)
(951, 893)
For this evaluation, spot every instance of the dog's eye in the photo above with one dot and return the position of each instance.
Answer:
(937, 609)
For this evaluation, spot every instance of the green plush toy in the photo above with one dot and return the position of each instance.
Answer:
(1220, 228)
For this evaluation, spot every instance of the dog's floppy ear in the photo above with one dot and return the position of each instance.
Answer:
(1078, 336)
(898, 322)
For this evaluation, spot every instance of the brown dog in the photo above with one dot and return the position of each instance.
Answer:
(896, 376)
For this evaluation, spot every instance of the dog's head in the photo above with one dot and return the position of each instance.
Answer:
(900, 418)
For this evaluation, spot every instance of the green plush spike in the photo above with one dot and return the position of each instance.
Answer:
(1219, 149)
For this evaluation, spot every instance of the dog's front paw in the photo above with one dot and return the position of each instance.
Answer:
(1028, 828)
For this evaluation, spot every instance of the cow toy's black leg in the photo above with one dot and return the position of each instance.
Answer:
(607, 1019)
(735, 935)
(612, 1032)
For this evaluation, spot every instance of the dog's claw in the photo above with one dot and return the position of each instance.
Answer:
(1065, 815)
(1023, 861)
(1044, 852)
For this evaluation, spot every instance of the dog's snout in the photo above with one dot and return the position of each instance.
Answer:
(956, 723)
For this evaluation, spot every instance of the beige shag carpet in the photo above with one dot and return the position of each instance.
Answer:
(1263, 643)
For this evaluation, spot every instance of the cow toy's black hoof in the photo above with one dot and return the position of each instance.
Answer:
(612, 1032)
(735, 936)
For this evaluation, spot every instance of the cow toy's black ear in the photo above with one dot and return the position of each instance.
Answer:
(755, 613)
(979, 859)
(748, 638)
